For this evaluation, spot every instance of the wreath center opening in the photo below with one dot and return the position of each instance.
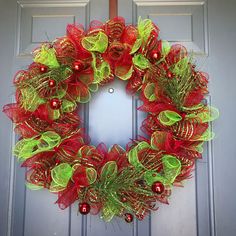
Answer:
(111, 115)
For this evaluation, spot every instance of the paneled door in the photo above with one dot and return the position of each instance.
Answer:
(205, 206)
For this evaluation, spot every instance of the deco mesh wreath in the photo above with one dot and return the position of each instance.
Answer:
(53, 146)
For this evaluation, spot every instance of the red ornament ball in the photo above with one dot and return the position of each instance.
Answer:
(84, 208)
(128, 217)
(169, 74)
(158, 187)
(78, 65)
(43, 68)
(155, 54)
(55, 103)
(51, 83)
(123, 199)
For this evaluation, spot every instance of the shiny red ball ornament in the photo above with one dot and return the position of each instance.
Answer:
(51, 83)
(55, 103)
(155, 54)
(78, 65)
(43, 69)
(123, 199)
(84, 208)
(158, 187)
(128, 217)
(169, 74)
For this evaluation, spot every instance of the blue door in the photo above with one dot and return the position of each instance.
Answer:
(205, 206)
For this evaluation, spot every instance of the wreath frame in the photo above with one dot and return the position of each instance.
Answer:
(54, 147)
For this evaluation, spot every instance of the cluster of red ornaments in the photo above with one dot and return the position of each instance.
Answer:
(157, 187)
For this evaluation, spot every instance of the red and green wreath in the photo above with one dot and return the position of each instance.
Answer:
(117, 181)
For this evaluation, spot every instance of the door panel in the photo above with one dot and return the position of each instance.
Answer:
(190, 207)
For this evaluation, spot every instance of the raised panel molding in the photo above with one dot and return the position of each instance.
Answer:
(183, 22)
(42, 21)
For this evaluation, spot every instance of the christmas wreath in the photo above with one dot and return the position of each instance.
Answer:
(115, 181)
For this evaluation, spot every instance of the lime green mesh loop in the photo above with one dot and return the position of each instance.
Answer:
(60, 93)
(171, 169)
(140, 61)
(33, 186)
(30, 99)
(96, 43)
(83, 98)
(169, 118)
(165, 47)
(109, 171)
(93, 87)
(91, 175)
(149, 92)
(207, 136)
(68, 106)
(145, 28)
(56, 114)
(152, 176)
(182, 67)
(61, 175)
(26, 148)
(133, 154)
(101, 72)
(207, 115)
(108, 211)
(119, 72)
(47, 56)
(199, 148)
(136, 45)
(158, 138)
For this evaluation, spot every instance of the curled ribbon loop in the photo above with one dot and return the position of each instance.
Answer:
(101, 72)
(46, 56)
(145, 28)
(133, 154)
(30, 99)
(61, 175)
(171, 169)
(28, 147)
(140, 61)
(109, 171)
(149, 92)
(96, 43)
(169, 118)
(207, 115)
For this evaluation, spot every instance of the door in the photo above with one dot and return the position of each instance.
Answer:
(205, 206)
